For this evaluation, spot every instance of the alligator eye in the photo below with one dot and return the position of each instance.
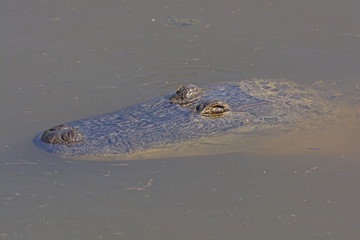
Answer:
(213, 108)
(185, 94)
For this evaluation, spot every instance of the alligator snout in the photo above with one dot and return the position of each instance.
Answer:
(62, 134)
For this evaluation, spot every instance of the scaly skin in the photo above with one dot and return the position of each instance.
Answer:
(191, 113)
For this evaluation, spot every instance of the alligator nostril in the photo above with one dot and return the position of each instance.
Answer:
(62, 134)
(67, 136)
(78, 137)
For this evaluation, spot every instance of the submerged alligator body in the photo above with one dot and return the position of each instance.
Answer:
(191, 113)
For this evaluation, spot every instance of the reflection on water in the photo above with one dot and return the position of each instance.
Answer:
(66, 61)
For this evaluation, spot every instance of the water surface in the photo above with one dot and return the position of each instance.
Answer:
(65, 60)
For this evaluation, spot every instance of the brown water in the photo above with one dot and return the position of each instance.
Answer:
(64, 60)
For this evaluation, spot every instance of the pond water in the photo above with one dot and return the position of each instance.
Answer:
(66, 60)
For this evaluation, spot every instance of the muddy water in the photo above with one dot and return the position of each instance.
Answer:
(64, 60)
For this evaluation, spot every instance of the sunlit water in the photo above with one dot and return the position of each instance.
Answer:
(63, 61)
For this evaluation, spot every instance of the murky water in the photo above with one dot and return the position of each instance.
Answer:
(65, 60)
